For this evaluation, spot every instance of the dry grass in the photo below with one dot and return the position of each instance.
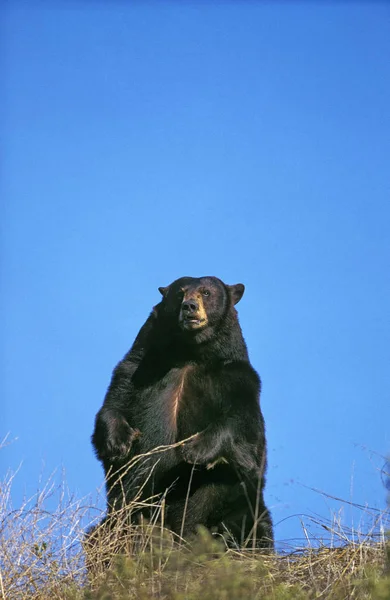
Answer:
(43, 555)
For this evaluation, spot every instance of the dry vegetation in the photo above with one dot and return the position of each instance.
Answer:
(43, 555)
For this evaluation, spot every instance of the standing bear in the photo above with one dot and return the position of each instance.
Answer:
(188, 375)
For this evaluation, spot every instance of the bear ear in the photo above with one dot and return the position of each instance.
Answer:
(236, 292)
(163, 291)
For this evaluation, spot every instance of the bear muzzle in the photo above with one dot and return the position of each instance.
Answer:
(192, 314)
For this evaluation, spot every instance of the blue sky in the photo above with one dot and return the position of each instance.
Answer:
(250, 141)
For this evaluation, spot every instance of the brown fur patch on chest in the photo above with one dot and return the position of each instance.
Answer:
(178, 394)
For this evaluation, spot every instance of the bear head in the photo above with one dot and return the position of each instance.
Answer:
(196, 306)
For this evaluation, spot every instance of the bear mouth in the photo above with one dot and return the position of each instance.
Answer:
(192, 323)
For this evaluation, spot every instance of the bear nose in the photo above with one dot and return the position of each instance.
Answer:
(189, 306)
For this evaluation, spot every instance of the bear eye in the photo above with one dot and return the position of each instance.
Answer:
(206, 293)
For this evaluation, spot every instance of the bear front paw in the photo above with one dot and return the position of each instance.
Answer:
(121, 439)
(194, 451)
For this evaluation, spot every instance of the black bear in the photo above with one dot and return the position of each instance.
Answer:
(188, 375)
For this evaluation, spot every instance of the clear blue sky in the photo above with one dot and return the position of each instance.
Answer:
(245, 140)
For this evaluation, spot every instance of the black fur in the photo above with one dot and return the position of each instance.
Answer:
(205, 366)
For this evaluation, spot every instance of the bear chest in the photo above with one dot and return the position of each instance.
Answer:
(189, 399)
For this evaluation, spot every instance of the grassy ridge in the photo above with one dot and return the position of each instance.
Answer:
(43, 555)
